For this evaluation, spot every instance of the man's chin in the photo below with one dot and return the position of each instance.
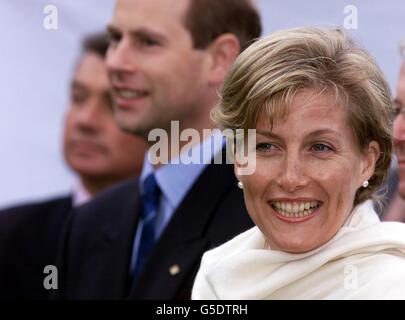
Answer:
(133, 128)
(92, 173)
(88, 166)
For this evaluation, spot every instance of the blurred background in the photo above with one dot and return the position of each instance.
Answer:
(36, 66)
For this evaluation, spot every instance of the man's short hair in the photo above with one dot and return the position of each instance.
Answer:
(208, 19)
(96, 43)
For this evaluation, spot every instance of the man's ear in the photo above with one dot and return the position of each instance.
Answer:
(371, 157)
(223, 52)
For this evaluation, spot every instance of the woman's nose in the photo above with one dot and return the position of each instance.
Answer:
(292, 177)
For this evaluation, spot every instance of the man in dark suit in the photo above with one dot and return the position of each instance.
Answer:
(144, 239)
(94, 148)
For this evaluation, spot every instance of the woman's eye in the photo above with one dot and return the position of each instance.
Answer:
(265, 147)
(321, 147)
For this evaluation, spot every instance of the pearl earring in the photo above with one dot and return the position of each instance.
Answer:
(366, 184)
(240, 185)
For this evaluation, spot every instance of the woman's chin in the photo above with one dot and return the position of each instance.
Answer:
(294, 246)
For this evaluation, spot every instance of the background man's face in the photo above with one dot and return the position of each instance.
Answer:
(94, 146)
(399, 131)
(155, 73)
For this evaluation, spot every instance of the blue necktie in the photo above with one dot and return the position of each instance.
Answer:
(150, 201)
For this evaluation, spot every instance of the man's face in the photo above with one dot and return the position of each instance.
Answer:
(155, 73)
(399, 131)
(94, 146)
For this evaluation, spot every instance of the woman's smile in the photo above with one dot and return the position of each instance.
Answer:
(308, 169)
(295, 210)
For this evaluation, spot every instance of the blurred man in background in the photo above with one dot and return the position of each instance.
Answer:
(396, 209)
(399, 130)
(96, 150)
(166, 60)
(94, 146)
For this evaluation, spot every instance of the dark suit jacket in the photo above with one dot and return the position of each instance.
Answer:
(29, 237)
(99, 237)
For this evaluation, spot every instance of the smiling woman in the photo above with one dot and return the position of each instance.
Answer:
(323, 118)
(308, 169)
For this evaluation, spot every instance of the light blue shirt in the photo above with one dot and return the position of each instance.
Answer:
(175, 180)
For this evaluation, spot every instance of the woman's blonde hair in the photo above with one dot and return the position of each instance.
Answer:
(268, 75)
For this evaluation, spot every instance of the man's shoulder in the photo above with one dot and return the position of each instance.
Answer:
(110, 202)
(31, 210)
(112, 195)
(32, 219)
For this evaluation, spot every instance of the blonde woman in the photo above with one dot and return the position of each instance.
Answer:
(323, 118)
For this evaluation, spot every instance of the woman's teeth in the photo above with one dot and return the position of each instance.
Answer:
(295, 209)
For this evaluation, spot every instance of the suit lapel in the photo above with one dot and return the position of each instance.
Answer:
(110, 254)
(178, 251)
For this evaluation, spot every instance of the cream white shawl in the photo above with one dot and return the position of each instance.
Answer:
(364, 260)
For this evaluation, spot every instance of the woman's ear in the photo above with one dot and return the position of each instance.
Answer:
(223, 51)
(371, 157)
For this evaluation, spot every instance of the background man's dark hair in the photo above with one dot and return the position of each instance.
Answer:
(96, 43)
(208, 19)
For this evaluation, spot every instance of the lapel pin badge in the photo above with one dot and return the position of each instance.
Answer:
(174, 270)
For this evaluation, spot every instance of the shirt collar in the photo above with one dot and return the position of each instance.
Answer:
(176, 178)
(80, 194)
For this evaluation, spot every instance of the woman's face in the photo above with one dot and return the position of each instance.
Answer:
(308, 168)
